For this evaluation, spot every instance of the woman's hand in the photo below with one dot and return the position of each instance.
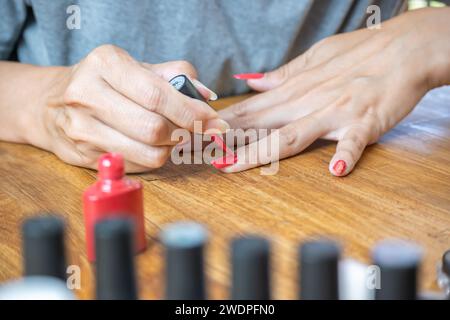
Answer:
(351, 88)
(109, 103)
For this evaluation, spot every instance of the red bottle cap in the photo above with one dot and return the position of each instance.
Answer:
(110, 166)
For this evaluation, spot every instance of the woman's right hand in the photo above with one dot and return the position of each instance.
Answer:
(110, 102)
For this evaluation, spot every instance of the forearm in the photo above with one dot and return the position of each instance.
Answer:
(435, 43)
(23, 90)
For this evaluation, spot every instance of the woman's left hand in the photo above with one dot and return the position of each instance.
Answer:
(351, 88)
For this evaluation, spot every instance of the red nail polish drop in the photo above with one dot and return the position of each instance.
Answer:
(339, 167)
(112, 195)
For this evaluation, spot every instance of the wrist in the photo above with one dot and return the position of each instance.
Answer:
(435, 43)
(44, 98)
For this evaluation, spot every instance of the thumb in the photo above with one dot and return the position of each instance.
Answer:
(168, 70)
(271, 79)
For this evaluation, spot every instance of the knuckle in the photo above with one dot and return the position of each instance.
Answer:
(315, 48)
(376, 125)
(156, 98)
(183, 66)
(357, 141)
(309, 54)
(104, 50)
(361, 83)
(321, 44)
(187, 117)
(346, 104)
(240, 109)
(75, 130)
(282, 73)
(246, 122)
(75, 127)
(86, 161)
(155, 130)
(160, 156)
(73, 93)
(76, 158)
(289, 135)
(105, 55)
(61, 118)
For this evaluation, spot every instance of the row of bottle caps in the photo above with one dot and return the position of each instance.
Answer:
(322, 272)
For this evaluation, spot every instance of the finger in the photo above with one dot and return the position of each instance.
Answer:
(132, 167)
(277, 116)
(348, 150)
(129, 118)
(171, 69)
(133, 151)
(85, 155)
(299, 88)
(147, 89)
(285, 142)
(84, 128)
(272, 79)
(320, 53)
(254, 104)
(206, 92)
(111, 140)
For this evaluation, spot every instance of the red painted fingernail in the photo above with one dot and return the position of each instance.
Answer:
(248, 76)
(224, 161)
(339, 167)
(218, 140)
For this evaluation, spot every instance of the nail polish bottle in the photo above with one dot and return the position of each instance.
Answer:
(318, 272)
(115, 269)
(113, 195)
(353, 278)
(184, 244)
(250, 265)
(444, 274)
(36, 288)
(43, 247)
(399, 263)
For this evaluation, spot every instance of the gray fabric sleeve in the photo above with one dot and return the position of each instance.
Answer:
(13, 17)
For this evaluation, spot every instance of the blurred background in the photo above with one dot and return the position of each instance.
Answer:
(417, 4)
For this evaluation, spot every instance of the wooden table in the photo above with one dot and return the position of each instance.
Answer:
(400, 188)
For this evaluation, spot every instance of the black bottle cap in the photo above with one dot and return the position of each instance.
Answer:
(399, 263)
(186, 87)
(319, 270)
(446, 263)
(250, 258)
(43, 247)
(184, 245)
(115, 271)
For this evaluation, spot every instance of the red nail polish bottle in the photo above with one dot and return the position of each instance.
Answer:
(113, 194)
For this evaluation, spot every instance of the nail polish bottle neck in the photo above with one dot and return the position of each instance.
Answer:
(110, 168)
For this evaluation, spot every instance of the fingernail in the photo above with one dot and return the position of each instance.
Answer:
(248, 76)
(224, 161)
(212, 94)
(339, 167)
(215, 126)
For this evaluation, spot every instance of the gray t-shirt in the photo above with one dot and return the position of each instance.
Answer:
(219, 37)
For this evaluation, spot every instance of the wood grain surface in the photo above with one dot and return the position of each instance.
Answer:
(400, 188)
